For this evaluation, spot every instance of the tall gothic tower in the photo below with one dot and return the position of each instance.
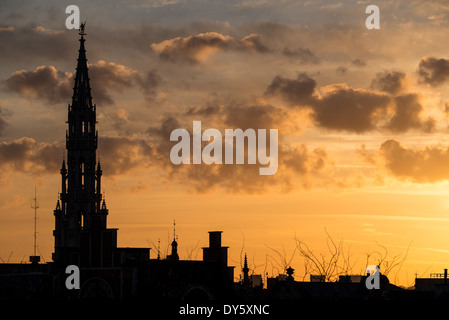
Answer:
(80, 214)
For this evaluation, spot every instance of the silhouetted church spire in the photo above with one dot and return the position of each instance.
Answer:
(81, 91)
(245, 271)
(81, 209)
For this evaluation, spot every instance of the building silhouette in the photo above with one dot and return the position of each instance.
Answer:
(82, 238)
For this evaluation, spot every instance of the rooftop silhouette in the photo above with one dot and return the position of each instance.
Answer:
(82, 238)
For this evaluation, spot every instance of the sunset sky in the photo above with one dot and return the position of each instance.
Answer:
(362, 117)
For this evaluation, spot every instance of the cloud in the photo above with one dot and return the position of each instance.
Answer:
(302, 54)
(297, 169)
(433, 71)
(297, 166)
(198, 48)
(426, 165)
(109, 77)
(119, 155)
(358, 63)
(192, 49)
(28, 155)
(245, 115)
(408, 111)
(254, 43)
(338, 108)
(120, 121)
(342, 108)
(48, 84)
(150, 82)
(160, 139)
(255, 117)
(293, 91)
(43, 83)
(391, 82)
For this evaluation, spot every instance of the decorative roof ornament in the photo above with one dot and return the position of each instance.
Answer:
(82, 26)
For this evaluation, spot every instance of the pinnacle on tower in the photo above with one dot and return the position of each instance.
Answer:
(245, 271)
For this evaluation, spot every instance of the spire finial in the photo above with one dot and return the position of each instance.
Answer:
(82, 26)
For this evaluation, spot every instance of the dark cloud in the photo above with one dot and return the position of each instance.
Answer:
(44, 83)
(297, 165)
(107, 77)
(433, 71)
(297, 168)
(339, 108)
(28, 155)
(358, 63)
(427, 165)
(302, 54)
(254, 43)
(254, 116)
(295, 92)
(243, 116)
(197, 48)
(150, 82)
(160, 138)
(407, 116)
(48, 84)
(347, 109)
(207, 111)
(119, 155)
(342, 108)
(391, 82)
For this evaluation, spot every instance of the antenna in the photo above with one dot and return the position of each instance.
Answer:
(174, 230)
(159, 249)
(34, 259)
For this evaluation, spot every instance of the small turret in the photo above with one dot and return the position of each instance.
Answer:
(174, 246)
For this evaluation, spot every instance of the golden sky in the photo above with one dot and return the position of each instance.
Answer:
(361, 114)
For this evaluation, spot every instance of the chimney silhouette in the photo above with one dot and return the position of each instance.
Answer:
(215, 252)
